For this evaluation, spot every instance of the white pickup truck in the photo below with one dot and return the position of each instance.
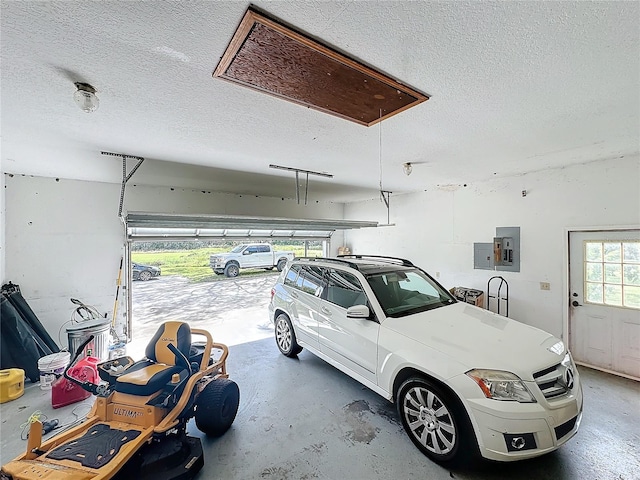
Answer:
(252, 255)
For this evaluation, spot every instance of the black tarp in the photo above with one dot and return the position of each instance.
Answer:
(18, 348)
(23, 339)
(44, 340)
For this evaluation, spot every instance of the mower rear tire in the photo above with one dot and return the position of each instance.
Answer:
(217, 406)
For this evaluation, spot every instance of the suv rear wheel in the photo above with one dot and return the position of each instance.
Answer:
(286, 337)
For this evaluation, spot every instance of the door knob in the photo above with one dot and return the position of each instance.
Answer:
(575, 303)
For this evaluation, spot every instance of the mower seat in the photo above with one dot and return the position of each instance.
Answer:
(154, 372)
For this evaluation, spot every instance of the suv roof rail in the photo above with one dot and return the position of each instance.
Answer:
(330, 259)
(404, 262)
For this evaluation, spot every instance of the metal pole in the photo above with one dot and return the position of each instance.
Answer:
(306, 189)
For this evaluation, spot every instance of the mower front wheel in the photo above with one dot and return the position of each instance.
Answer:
(217, 406)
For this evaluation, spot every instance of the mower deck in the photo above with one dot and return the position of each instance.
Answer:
(85, 452)
(100, 450)
(97, 447)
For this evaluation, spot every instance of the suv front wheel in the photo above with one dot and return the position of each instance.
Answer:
(433, 420)
(286, 337)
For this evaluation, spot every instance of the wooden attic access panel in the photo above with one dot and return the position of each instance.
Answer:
(269, 57)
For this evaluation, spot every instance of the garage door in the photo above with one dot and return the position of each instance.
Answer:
(150, 227)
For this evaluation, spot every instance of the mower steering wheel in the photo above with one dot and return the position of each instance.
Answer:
(181, 359)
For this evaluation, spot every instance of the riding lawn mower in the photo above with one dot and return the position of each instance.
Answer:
(137, 425)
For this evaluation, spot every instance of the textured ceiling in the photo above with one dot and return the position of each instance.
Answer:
(515, 87)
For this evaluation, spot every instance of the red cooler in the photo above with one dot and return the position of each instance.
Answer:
(65, 392)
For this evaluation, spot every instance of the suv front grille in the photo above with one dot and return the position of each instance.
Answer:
(551, 381)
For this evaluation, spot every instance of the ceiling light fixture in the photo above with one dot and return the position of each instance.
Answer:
(407, 168)
(85, 97)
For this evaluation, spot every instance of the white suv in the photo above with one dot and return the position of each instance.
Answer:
(464, 379)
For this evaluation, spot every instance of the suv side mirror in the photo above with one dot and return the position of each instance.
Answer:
(358, 311)
(246, 252)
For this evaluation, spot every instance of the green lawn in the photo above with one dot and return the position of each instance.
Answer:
(194, 264)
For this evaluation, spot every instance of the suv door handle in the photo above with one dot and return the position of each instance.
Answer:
(326, 311)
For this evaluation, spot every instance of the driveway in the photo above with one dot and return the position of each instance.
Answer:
(233, 310)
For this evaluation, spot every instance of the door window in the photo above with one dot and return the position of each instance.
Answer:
(612, 273)
(344, 289)
(313, 281)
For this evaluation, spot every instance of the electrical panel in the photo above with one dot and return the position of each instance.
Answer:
(503, 254)
(483, 256)
(510, 249)
(503, 251)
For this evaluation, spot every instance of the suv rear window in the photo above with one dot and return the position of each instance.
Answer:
(292, 276)
(307, 278)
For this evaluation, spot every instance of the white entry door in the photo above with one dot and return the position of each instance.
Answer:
(604, 320)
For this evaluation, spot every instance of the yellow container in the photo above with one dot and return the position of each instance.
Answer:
(11, 384)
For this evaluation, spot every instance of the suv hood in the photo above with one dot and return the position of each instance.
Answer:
(478, 338)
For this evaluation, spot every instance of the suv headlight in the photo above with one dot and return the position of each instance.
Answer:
(501, 385)
(567, 361)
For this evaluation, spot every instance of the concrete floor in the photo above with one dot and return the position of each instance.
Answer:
(303, 419)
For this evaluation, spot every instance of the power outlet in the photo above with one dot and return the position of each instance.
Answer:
(545, 286)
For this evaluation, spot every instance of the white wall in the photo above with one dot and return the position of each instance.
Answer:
(3, 248)
(64, 239)
(436, 228)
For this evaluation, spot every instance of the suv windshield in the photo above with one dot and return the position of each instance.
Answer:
(406, 292)
(238, 249)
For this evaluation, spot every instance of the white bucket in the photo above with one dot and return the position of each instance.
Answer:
(51, 367)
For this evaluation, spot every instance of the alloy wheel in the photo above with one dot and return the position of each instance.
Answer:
(283, 334)
(429, 421)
